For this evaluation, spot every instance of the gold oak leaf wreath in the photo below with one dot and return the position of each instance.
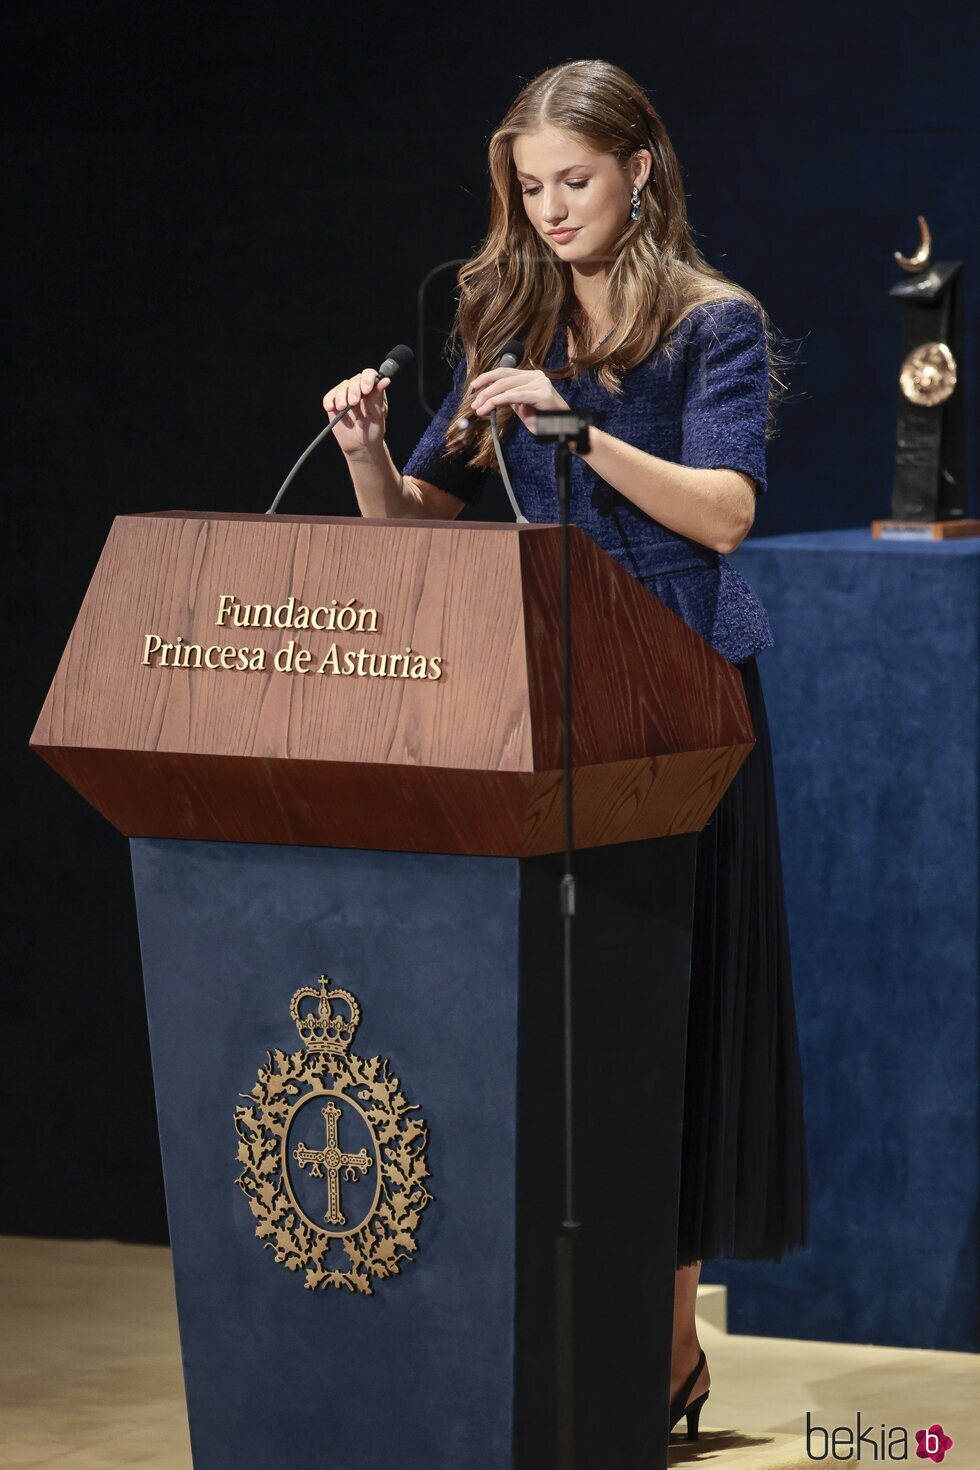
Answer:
(387, 1237)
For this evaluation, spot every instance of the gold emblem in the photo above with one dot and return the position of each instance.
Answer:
(344, 1208)
(928, 375)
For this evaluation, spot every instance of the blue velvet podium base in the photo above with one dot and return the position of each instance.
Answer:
(455, 963)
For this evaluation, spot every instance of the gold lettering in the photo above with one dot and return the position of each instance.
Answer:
(291, 658)
(330, 664)
(283, 660)
(347, 616)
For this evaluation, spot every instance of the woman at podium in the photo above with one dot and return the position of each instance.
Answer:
(589, 261)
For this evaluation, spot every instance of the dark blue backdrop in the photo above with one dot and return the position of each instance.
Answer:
(217, 212)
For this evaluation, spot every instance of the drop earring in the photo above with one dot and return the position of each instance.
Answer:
(635, 203)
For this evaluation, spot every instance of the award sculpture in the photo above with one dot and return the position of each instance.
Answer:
(929, 494)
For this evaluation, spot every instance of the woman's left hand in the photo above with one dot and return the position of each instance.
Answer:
(526, 392)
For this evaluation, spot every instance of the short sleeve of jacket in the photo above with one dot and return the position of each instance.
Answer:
(726, 391)
(429, 460)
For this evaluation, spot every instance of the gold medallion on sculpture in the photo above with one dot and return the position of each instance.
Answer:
(333, 1156)
(928, 375)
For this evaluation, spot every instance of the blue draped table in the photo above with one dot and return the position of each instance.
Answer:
(872, 694)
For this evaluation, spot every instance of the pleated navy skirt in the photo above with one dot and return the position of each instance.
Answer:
(744, 1181)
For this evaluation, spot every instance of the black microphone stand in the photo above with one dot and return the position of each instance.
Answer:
(565, 429)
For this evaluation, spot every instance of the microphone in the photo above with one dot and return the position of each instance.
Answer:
(509, 358)
(512, 354)
(399, 357)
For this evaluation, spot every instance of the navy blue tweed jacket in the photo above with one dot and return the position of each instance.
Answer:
(703, 404)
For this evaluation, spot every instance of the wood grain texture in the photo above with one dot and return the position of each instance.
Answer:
(642, 680)
(930, 530)
(408, 809)
(466, 763)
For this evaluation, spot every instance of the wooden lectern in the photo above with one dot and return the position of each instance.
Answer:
(335, 746)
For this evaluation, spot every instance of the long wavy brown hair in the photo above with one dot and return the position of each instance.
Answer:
(512, 287)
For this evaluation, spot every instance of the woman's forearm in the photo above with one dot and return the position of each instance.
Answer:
(716, 508)
(385, 493)
(380, 487)
(713, 507)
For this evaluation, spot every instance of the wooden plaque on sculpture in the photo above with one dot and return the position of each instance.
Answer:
(422, 713)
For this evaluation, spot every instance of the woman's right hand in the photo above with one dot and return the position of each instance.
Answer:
(363, 428)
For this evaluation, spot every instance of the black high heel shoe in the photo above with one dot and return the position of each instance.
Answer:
(679, 1404)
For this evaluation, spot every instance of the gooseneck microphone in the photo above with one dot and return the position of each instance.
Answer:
(399, 357)
(509, 358)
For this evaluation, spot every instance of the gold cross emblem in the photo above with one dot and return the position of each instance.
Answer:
(332, 1160)
(326, 1074)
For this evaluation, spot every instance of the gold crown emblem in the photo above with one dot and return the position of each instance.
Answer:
(321, 1027)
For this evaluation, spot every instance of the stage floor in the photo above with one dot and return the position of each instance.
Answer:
(90, 1376)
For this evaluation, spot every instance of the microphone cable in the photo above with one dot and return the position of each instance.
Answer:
(509, 358)
(399, 357)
